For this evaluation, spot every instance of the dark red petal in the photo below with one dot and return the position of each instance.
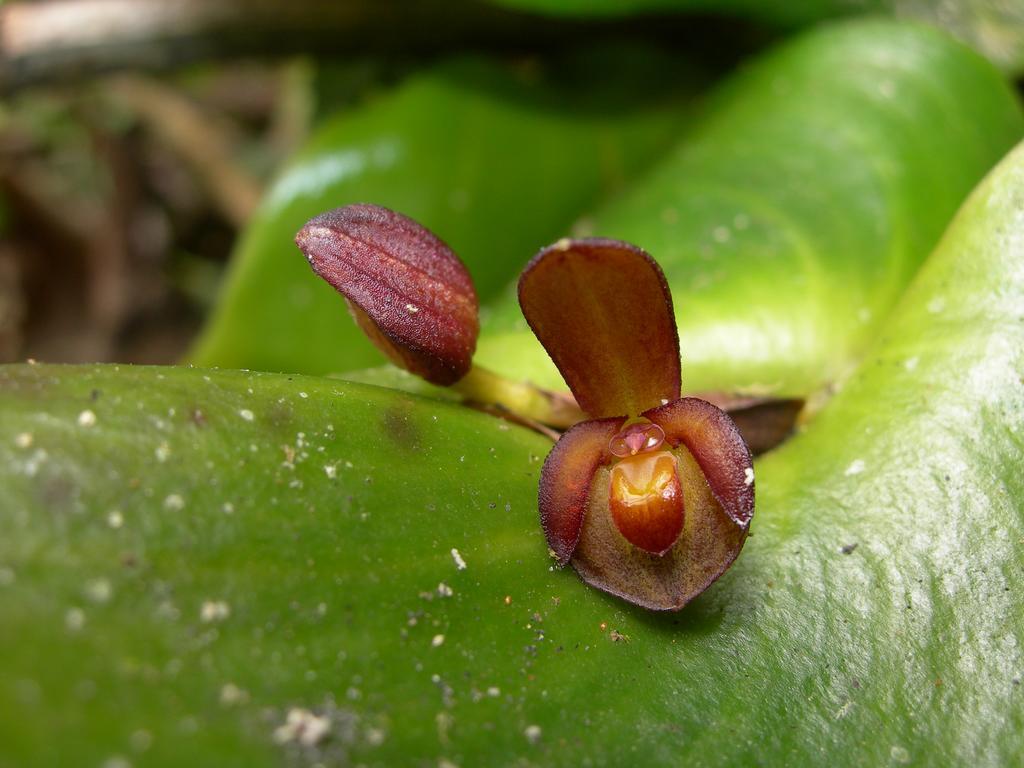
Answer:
(565, 482)
(401, 281)
(716, 444)
(764, 422)
(603, 311)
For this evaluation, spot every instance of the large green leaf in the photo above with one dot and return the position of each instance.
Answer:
(184, 556)
(495, 163)
(791, 216)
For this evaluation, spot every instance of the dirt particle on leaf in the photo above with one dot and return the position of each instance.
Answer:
(443, 590)
(533, 733)
(618, 637)
(303, 726)
(847, 549)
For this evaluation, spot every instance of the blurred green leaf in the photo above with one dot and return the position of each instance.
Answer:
(494, 163)
(187, 556)
(793, 214)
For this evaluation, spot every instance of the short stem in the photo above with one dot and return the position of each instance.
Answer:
(520, 398)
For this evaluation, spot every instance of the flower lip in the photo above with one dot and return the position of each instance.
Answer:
(603, 311)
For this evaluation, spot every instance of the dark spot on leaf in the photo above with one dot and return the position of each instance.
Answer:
(847, 549)
(197, 416)
(399, 428)
(280, 414)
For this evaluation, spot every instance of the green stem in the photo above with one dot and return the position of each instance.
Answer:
(520, 398)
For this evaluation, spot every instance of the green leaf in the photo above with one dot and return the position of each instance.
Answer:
(791, 217)
(872, 616)
(495, 164)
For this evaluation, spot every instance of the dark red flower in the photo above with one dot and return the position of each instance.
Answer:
(651, 499)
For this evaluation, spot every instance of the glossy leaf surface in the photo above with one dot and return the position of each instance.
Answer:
(876, 595)
(435, 149)
(791, 217)
(603, 311)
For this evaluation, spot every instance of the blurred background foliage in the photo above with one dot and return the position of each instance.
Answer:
(137, 138)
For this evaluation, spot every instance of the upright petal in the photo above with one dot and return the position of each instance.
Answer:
(407, 290)
(603, 311)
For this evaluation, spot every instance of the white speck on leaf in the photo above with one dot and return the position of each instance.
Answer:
(246, 414)
(99, 590)
(899, 755)
(444, 590)
(24, 440)
(459, 562)
(331, 470)
(74, 619)
(174, 502)
(231, 694)
(304, 727)
(214, 610)
(303, 395)
(856, 467)
(532, 733)
(437, 641)
(86, 418)
(936, 305)
(162, 452)
(115, 519)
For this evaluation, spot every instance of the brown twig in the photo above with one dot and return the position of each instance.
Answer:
(194, 136)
